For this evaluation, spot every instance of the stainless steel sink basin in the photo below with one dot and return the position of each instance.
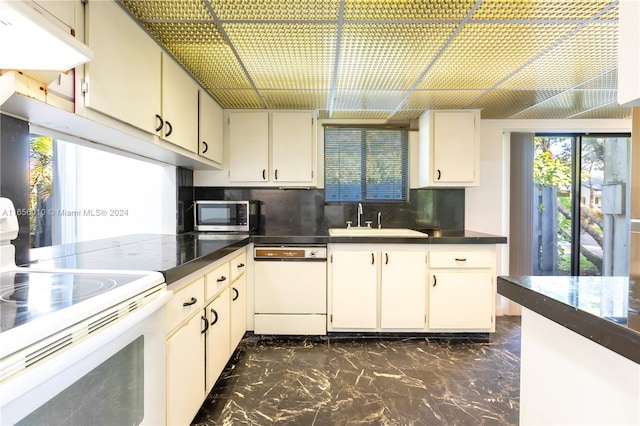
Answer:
(375, 232)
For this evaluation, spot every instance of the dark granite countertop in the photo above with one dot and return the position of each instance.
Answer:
(177, 256)
(605, 310)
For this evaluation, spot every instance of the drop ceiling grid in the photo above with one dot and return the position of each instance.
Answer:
(282, 54)
(568, 104)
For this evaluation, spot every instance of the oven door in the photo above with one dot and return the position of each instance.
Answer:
(117, 376)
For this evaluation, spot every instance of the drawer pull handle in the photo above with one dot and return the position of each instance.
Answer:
(435, 281)
(463, 259)
(215, 316)
(237, 294)
(206, 324)
(241, 265)
(193, 301)
(221, 279)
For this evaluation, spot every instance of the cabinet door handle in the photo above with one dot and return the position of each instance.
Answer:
(206, 324)
(161, 123)
(170, 129)
(215, 317)
(221, 279)
(235, 290)
(240, 265)
(206, 147)
(463, 259)
(435, 281)
(439, 174)
(276, 174)
(193, 301)
(264, 174)
(373, 258)
(386, 258)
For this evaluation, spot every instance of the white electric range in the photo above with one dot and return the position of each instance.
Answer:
(75, 342)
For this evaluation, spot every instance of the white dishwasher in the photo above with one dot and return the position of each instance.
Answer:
(291, 290)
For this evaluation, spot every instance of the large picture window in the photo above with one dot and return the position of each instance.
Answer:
(365, 164)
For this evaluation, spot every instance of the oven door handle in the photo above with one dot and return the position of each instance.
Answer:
(74, 355)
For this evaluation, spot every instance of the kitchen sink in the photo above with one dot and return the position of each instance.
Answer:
(375, 232)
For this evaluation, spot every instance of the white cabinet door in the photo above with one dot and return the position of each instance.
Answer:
(123, 78)
(449, 153)
(179, 106)
(210, 128)
(218, 338)
(453, 150)
(292, 146)
(238, 295)
(354, 289)
(248, 146)
(460, 300)
(185, 372)
(403, 293)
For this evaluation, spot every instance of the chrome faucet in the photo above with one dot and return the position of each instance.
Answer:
(359, 213)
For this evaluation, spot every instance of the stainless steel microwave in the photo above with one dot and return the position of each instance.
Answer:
(229, 216)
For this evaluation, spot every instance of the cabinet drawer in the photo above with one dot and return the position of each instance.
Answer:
(238, 265)
(461, 259)
(184, 303)
(217, 279)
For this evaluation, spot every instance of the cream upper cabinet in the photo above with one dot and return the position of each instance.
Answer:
(248, 146)
(461, 290)
(178, 122)
(274, 148)
(210, 132)
(292, 146)
(449, 148)
(403, 288)
(123, 79)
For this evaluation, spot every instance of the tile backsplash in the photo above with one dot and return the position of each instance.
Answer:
(305, 210)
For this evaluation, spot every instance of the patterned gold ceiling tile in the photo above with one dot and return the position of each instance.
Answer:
(276, 10)
(540, 10)
(167, 9)
(610, 15)
(440, 99)
(323, 114)
(182, 32)
(590, 52)
(505, 103)
(387, 56)
(407, 114)
(213, 65)
(367, 99)
(608, 111)
(361, 114)
(236, 99)
(483, 54)
(286, 56)
(568, 104)
(607, 80)
(295, 99)
(404, 10)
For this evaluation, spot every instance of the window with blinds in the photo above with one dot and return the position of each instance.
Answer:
(365, 164)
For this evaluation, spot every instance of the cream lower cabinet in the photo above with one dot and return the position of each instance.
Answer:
(461, 290)
(377, 289)
(218, 338)
(204, 326)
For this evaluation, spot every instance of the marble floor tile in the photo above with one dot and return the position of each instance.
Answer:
(370, 381)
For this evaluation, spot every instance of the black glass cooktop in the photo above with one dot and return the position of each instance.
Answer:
(25, 296)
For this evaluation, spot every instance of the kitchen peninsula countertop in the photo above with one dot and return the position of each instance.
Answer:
(178, 255)
(605, 310)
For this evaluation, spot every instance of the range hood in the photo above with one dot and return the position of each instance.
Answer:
(31, 41)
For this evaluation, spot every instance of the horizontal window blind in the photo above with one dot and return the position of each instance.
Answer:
(365, 164)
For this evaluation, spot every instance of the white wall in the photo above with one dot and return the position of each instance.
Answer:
(138, 197)
(487, 206)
